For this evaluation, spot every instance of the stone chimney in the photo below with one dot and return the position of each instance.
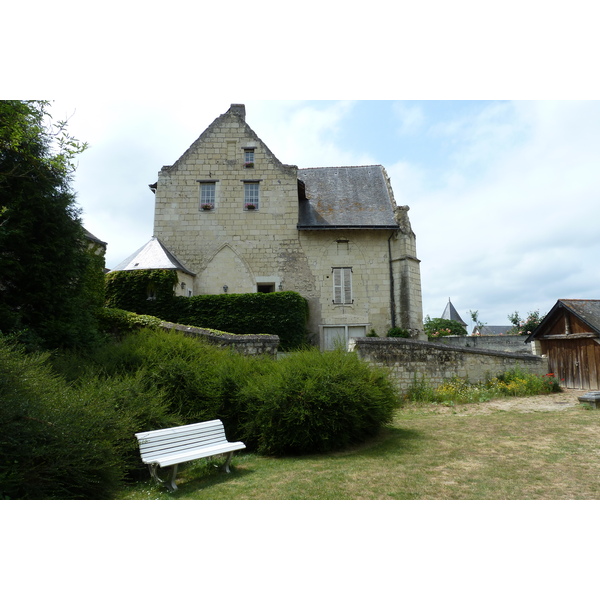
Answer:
(239, 110)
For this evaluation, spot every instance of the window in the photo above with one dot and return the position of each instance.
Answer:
(207, 195)
(342, 285)
(249, 158)
(251, 195)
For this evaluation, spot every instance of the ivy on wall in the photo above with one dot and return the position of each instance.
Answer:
(143, 291)
(152, 292)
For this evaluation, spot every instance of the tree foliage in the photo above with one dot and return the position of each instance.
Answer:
(435, 328)
(527, 325)
(44, 260)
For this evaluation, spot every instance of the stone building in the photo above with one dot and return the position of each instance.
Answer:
(234, 219)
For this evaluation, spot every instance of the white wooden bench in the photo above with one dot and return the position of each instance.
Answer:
(176, 445)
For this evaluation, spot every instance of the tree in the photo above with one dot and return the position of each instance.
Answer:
(435, 328)
(44, 261)
(525, 326)
(475, 318)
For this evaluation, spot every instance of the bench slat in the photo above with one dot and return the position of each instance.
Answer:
(160, 453)
(199, 438)
(182, 430)
(167, 461)
(169, 446)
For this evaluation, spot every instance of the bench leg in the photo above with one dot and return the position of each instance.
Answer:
(154, 474)
(227, 462)
(171, 484)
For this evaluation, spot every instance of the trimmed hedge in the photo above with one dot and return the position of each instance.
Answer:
(284, 314)
(279, 313)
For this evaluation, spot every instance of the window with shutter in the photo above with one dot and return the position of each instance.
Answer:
(342, 285)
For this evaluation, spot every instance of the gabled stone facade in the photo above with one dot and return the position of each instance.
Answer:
(243, 222)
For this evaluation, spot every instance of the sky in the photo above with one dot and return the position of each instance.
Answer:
(504, 196)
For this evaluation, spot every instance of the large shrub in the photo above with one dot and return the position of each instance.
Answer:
(62, 441)
(316, 402)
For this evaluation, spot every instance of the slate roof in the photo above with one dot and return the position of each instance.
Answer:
(586, 310)
(90, 236)
(451, 313)
(493, 329)
(345, 198)
(152, 255)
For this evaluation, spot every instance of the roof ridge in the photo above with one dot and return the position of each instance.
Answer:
(341, 167)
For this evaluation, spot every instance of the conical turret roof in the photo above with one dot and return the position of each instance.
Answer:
(451, 314)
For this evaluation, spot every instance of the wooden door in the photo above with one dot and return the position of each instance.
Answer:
(575, 362)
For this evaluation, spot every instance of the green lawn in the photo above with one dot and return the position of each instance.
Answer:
(427, 453)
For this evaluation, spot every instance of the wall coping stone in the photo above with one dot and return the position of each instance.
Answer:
(267, 341)
(372, 341)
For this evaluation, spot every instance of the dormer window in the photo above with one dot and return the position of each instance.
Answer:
(249, 158)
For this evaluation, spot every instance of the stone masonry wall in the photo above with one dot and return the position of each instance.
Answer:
(229, 245)
(250, 345)
(501, 343)
(409, 359)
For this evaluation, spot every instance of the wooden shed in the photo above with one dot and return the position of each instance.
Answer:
(569, 335)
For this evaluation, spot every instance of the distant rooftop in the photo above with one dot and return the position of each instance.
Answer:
(493, 329)
(451, 314)
(90, 236)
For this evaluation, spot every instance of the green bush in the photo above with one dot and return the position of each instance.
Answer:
(316, 402)
(68, 442)
(436, 328)
(398, 332)
(118, 322)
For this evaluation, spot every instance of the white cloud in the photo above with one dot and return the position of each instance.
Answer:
(517, 232)
(304, 134)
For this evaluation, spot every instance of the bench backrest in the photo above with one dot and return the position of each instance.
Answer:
(164, 442)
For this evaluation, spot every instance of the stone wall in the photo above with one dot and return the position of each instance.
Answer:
(501, 343)
(409, 359)
(250, 345)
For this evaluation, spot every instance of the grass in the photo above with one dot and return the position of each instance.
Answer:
(427, 453)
